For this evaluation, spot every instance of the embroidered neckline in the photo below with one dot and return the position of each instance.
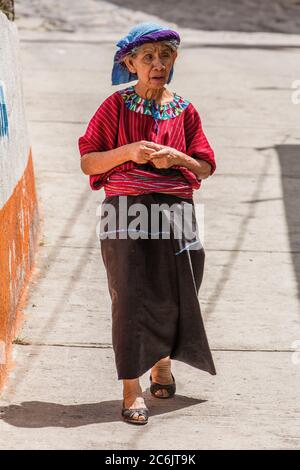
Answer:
(136, 103)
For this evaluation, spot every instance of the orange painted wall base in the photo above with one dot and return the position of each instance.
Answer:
(19, 231)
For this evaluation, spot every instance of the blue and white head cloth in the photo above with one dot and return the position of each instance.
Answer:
(138, 35)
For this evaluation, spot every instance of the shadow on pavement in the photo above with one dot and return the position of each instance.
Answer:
(289, 159)
(37, 414)
(281, 16)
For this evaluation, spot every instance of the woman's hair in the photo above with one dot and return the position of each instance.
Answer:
(172, 43)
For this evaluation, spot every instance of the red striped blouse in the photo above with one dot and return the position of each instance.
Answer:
(124, 118)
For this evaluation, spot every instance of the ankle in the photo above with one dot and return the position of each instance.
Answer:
(163, 365)
(131, 388)
(161, 371)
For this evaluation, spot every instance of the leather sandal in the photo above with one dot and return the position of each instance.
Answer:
(128, 415)
(171, 388)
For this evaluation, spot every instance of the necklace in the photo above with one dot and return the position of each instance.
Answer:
(136, 103)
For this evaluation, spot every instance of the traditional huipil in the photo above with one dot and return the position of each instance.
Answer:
(153, 282)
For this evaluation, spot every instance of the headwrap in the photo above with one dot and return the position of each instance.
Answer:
(138, 35)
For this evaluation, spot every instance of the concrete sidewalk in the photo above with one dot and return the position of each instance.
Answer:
(63, 392)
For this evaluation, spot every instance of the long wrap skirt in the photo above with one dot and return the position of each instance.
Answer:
(153, 285)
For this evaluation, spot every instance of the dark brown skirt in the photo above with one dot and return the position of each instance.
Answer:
(154, 286)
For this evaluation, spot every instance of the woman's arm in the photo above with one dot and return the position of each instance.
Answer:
(99, 162)
(95, 163)
(200, 168)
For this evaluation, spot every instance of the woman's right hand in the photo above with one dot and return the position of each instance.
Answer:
(140, 151)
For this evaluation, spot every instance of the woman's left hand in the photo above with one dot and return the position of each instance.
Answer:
(165, 157)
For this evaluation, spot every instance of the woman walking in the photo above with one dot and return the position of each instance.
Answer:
(146, 145)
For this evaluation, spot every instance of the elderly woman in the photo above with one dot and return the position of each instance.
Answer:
(146, 144)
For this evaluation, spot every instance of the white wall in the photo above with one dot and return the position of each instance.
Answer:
(14, 149)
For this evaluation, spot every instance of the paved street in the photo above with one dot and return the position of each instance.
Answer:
(63, 392)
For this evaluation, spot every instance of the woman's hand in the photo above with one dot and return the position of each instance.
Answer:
(165, 157)
(140, 151)
(168, 156)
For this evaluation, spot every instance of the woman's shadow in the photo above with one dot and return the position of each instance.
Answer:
(38, 414)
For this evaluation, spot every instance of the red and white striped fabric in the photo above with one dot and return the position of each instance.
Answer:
(114, 125)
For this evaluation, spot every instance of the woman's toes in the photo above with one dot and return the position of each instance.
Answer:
(161, 393)
(137, 416)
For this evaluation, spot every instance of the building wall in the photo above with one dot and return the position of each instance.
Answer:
(19, 220)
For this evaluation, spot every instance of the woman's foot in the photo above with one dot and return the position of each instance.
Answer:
(132, 397)
(161, 373)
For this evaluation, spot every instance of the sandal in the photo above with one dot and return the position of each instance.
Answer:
(128, 415)
(171, 388)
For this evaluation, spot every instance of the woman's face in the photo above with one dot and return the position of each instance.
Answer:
(152, 64)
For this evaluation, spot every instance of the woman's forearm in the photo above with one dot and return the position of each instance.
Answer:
(201, 168)
(99, 162)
